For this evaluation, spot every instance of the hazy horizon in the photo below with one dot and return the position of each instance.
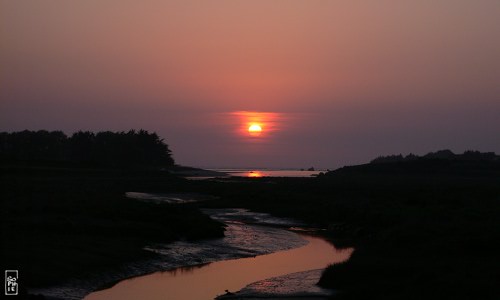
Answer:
(331, 83)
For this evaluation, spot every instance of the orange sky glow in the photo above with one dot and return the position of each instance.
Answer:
(267, 122)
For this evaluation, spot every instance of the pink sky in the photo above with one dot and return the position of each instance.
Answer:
(346, 80)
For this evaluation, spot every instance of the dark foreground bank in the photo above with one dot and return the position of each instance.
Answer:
(61, 222)
(424, 229)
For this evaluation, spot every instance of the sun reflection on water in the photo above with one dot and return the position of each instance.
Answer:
(254, 174)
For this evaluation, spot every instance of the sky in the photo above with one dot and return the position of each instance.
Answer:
(331, 83)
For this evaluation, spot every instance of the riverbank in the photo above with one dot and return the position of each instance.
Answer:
(300, 285)
(263, 251)
(64, 223)
(241, 239)
(420, 229)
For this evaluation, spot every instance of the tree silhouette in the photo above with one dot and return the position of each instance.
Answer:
(121, 149)
(440, 155)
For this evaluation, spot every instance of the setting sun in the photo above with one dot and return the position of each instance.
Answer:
(255, 128)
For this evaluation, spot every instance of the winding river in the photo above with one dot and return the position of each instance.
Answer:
(208, 280)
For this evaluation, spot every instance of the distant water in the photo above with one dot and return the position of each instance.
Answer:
(269, 172)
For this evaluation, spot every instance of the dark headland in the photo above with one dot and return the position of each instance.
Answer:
(424, 227)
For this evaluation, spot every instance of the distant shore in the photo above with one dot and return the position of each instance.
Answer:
(184, 171)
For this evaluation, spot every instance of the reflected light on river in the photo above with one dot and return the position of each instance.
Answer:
(210, 280)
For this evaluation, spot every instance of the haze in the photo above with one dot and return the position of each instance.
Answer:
(346, 80)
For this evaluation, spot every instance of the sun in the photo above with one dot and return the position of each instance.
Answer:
(254, 129)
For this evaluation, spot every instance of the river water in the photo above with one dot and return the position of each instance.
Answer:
(206, 281)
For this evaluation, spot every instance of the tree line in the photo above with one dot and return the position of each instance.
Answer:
(441, 155)
(120, 149)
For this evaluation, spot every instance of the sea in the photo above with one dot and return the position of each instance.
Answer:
(263, 172)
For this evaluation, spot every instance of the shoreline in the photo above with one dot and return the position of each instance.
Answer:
(187, 172)
(283, 268)
(212, 250)
(302, 285)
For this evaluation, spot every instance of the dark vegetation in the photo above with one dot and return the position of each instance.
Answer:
(66, 217)
(117, 149)
(440, 155)
(423, 227)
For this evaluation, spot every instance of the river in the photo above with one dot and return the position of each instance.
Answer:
(208, 280)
